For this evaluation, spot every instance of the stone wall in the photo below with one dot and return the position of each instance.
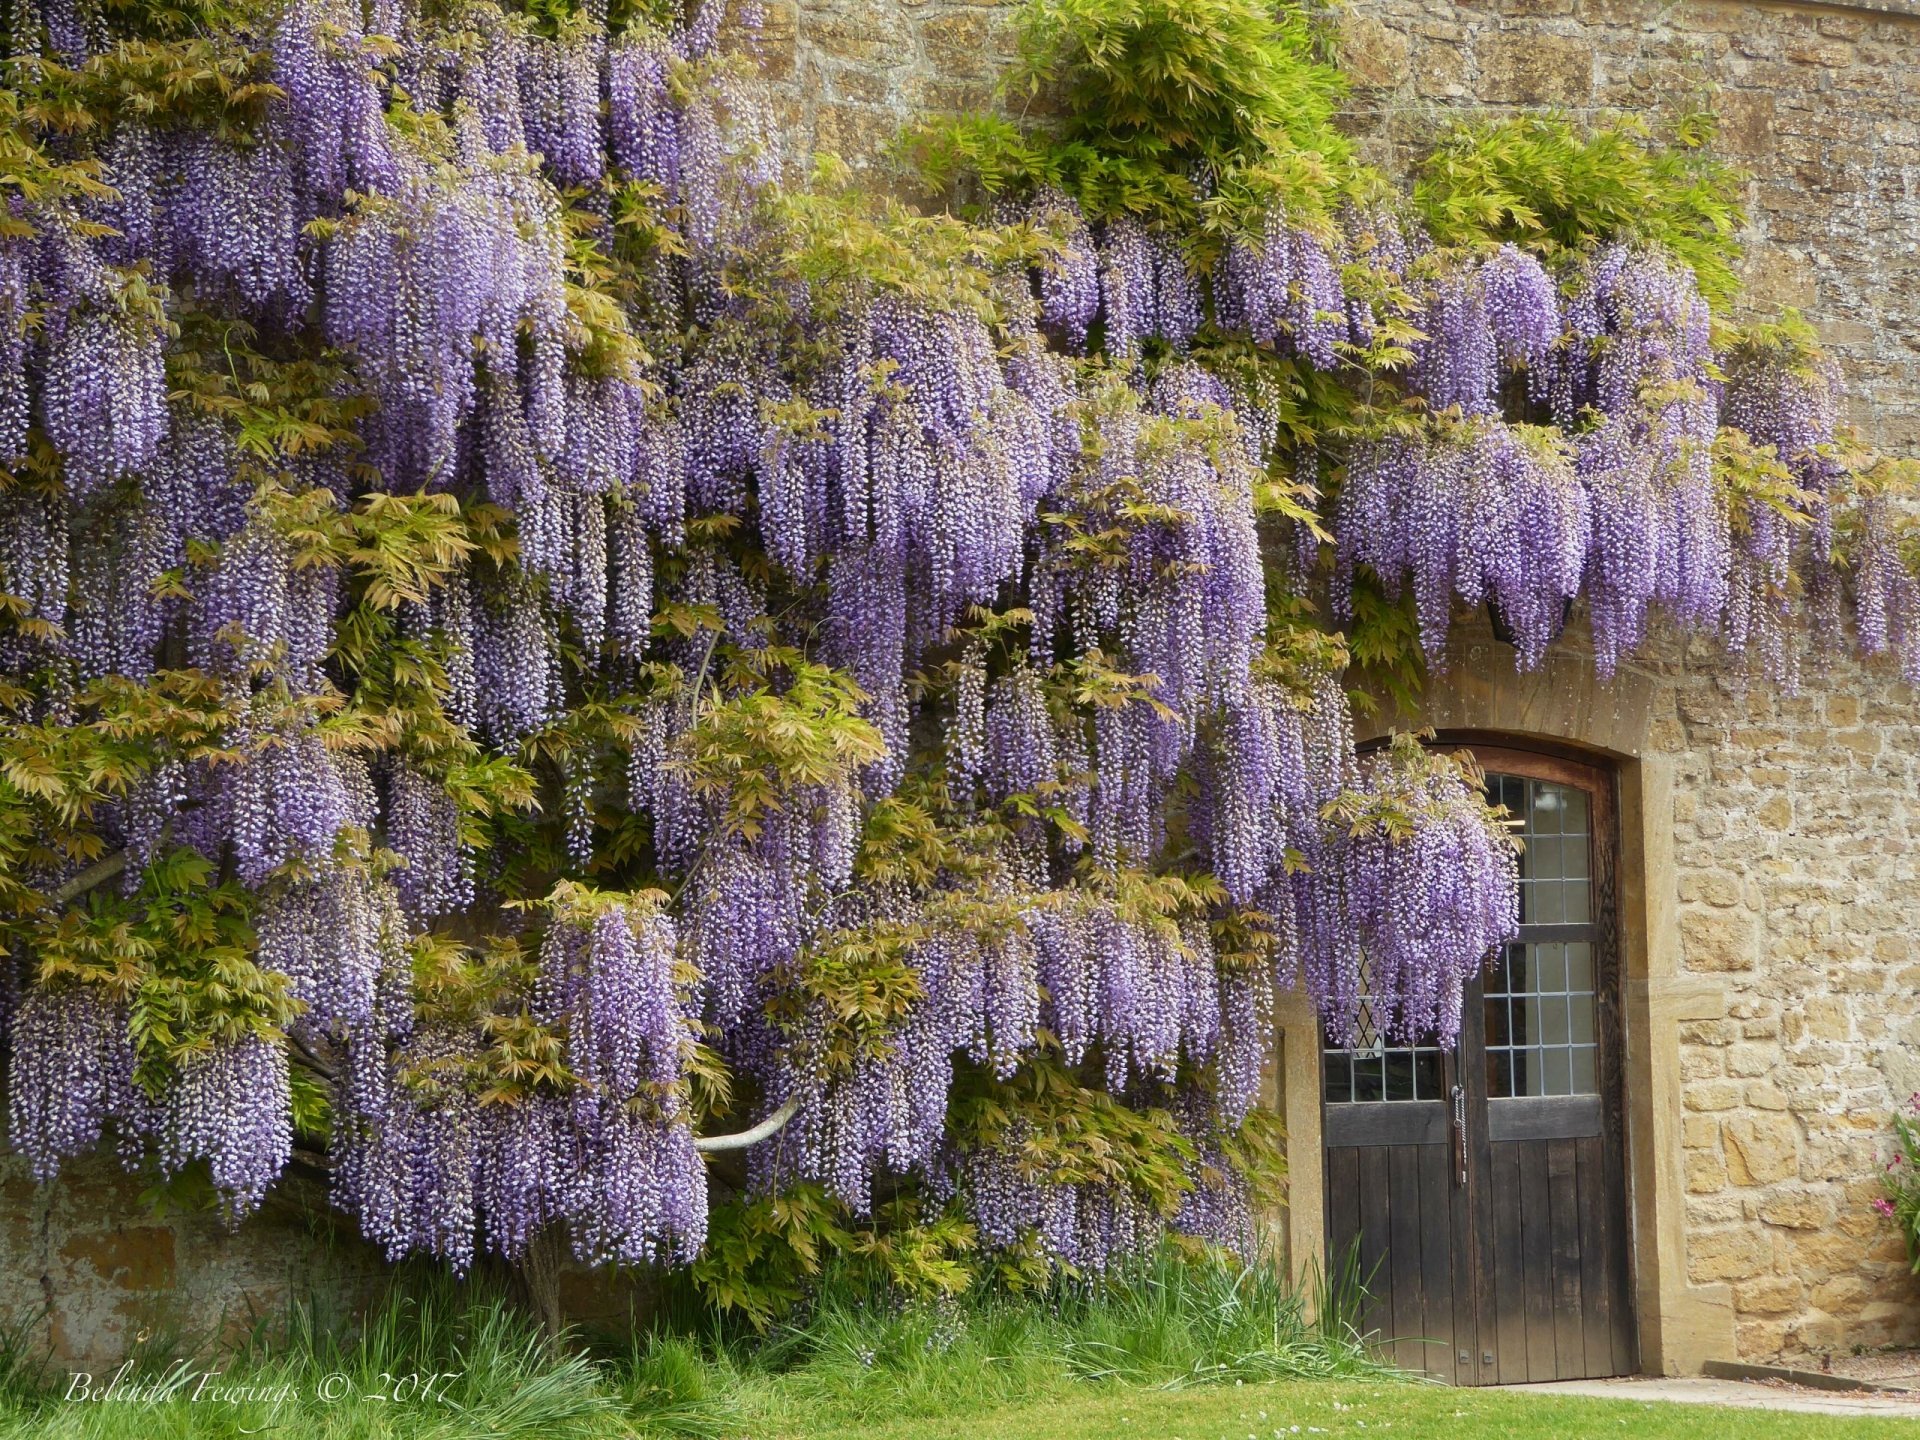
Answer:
(1799, 898)
(1799, 889)
(89, 1272)
(1773, 978)
(1815, 102)
(1793, 830)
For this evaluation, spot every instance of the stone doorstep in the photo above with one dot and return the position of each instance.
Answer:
(1811, 1379)
(1735, 1395)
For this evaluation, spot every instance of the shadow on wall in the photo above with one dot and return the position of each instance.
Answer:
(90, 1272)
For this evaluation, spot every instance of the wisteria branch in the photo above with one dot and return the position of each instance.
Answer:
(91, 878)
(765, 1130)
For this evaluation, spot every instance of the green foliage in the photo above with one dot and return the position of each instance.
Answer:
(855, 1358)
(180, 949)
(773, 722)
(845, 243)
(28, 169)
(56, 773)
(1899, 1199)
(1149, 94)
(1384, 640)
(1393, 810)
(766, 1255)
(1552, 186)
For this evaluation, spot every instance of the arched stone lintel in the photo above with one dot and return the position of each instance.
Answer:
(1481, 691)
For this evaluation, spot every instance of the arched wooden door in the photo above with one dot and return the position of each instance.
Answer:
(1482, 1191)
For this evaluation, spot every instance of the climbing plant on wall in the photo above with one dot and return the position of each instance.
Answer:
(527, 639)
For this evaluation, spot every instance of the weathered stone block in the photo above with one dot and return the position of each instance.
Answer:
(1769, 1295)
(1528, 67)
(1761, 1148)
(1719, 940)
(1706, 1172)
(1372, 52)
(1803, 1211)
(138, 1257)
(958, 43)
(1736, 1254)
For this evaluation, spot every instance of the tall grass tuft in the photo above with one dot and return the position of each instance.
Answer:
(1172, 1321)
(853, 1357)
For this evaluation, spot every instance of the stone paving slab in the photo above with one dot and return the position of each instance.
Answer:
(1737, 1394)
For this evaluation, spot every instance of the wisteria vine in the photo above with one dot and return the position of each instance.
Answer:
(573, 641)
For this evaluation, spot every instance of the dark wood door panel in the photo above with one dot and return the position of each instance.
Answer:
(1388, 1207)
(1552, 1117)
(1400, 1122)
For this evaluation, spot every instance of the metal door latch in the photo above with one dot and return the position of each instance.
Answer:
(1460, 1129)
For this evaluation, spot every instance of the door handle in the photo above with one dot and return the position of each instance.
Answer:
(1460, 1130)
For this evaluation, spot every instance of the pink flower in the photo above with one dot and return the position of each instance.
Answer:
(1884, 1206)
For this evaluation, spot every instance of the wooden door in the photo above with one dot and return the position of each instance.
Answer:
(1481, 1192)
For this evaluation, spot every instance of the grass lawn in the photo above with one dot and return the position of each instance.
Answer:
(1170, 1351)
(1282, 1410)
(1360, 1412)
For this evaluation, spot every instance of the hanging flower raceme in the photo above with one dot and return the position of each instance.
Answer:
(1147, 289)
(1483, 320)
(643, 122)
(1480, 511)
(1522, 309)
(260, 609)
(1781, 393)
(423, 827)
(1886, 594)
(71, 1075)
(103, 399)
(608, 979)
(1639, 352)
(337, 938)
(231, 1107)
(1284, 290)
(322, 61)
(1167, 609)
(560, 98)
(406, 1141)
(1430, 882)
(1069, 280)
(451, 264)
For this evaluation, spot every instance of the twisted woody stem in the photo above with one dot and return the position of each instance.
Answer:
(106, 868)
